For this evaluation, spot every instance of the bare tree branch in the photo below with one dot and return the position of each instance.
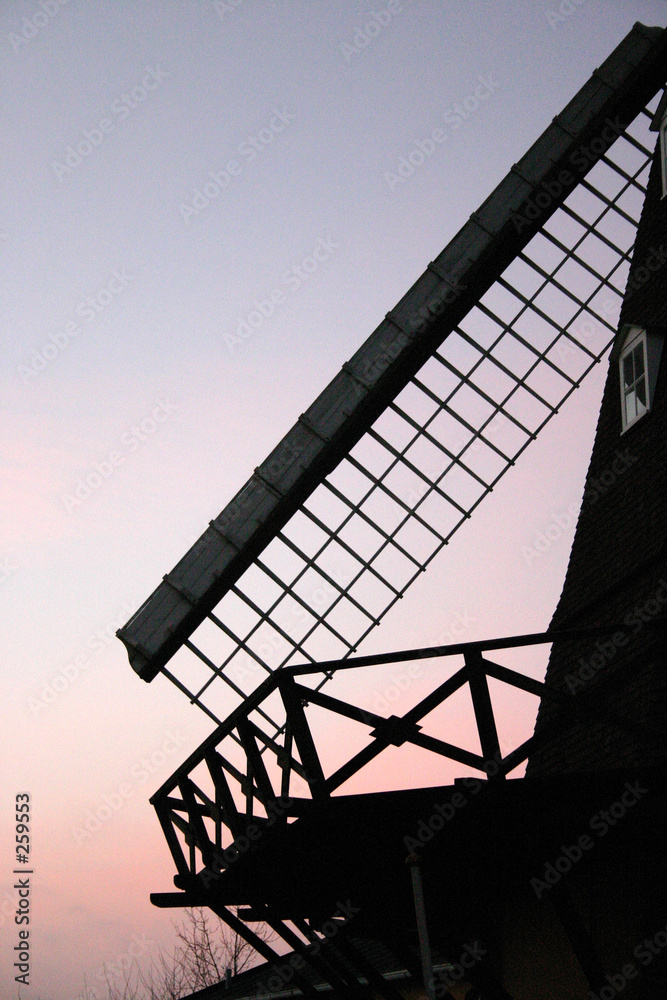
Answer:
(205, 948)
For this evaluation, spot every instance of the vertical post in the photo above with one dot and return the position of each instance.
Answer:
(287, 765)
(486, 723)
(298, 724)
(422, 928)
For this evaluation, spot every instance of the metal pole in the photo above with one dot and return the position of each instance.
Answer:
(422, 929)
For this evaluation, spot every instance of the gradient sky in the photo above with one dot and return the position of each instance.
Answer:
(121, 305)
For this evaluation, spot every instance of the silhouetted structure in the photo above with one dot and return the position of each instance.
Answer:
(547, 886)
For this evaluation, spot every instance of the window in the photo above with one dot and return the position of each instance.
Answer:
(634, 381)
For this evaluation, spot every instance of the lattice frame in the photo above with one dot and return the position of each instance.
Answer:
(389, 507)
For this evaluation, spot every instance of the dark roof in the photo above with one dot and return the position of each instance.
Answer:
(254, 982)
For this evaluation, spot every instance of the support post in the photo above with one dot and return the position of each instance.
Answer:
(422, 927)
(481, 700)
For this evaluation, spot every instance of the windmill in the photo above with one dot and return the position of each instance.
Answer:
(360, 497)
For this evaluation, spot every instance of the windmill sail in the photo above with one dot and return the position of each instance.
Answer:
(436, 406)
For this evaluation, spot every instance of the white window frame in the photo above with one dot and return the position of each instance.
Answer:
(635, 336)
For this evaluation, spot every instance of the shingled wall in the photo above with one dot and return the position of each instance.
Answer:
(617, 573)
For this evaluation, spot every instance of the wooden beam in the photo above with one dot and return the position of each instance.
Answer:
(302, 736)
(481, 700)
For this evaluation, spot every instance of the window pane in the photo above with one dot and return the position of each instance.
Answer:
(630, 407)
(638, 356)
(640, 390)
(628, 375)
